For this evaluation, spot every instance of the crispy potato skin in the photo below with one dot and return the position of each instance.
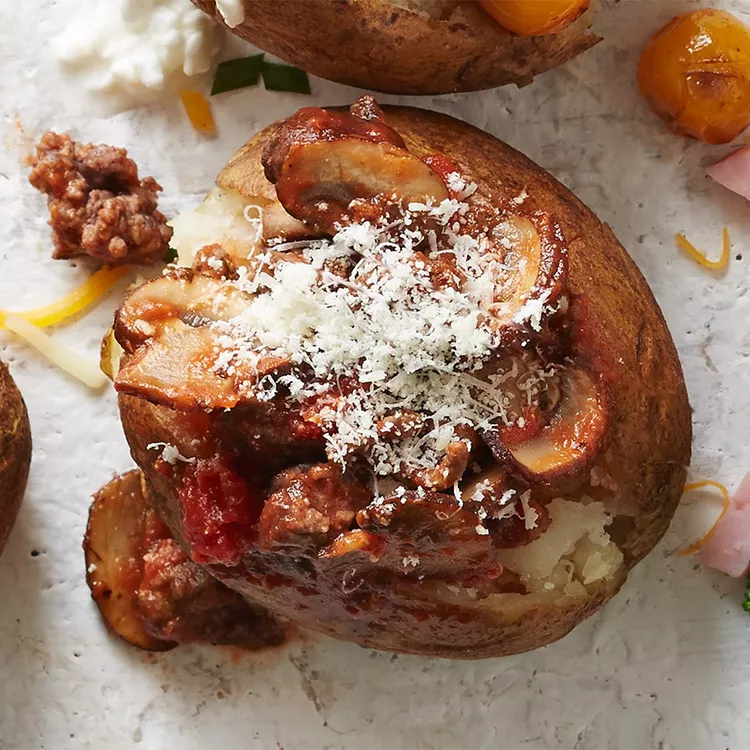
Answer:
(648, 443)
(15, 452)
(377, 45)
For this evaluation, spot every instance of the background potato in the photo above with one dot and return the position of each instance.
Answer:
(15, 452)
(646, 458)
(381, 46)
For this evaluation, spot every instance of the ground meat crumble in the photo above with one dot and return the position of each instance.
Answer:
(98, 206)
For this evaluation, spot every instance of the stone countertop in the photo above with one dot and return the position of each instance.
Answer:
(664, 665)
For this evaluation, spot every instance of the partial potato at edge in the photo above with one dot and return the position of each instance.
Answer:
(15, 452)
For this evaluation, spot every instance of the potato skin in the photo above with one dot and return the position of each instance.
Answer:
(379, 46)
(649, 440)
(15, 452)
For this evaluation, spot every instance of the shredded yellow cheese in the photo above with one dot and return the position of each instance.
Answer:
(83, 296)
(79, 367)
(199, 111)
(725, 495)
(700, 258)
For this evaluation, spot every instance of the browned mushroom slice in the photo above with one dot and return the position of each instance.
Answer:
(535, 256)
(430, 534)
(334, 183)
(176, 369)
(313, 124)
(113, 547)
(179, 294)
(333, 168)
(171, 348)
(309, 506)
(572, 437)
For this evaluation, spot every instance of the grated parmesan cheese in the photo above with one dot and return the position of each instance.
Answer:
(397, 331)
(170, 454)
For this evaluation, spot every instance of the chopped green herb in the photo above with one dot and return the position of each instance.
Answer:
(237, 74)
(746, 603)
(171, 255)
(279, 77)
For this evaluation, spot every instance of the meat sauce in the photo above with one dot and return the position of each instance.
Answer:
(219, 512)
(98, 205)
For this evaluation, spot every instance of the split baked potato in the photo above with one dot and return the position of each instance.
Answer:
(15, 452)
(316, 492)
(401, 46)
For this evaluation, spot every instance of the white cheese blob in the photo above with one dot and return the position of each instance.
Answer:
(232, 11)
(134, 49)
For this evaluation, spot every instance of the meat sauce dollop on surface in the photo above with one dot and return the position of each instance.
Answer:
(98, 205)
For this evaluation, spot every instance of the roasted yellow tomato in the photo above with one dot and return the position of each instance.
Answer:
(695, 74)
(534, 17)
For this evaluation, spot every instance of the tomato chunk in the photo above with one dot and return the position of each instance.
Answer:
(219, 512)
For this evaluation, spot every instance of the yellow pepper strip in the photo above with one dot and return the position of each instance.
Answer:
(700, 258)
(199, 111)
(83, 296)
(79, 367)
(724, 493)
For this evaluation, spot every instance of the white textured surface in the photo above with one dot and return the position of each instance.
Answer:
(665, 665)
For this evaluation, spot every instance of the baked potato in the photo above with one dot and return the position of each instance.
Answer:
(15, 452)
(401, 46)
(404, 388)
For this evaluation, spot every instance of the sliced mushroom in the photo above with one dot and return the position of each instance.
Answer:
(309, 506)
(533, 258)
(113, 548)
(333, 168)
(179, 294)
(573, 436)
(172, 351)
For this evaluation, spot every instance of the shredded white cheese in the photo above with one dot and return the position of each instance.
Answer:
(170, 454)
(414, 345)
(85, 370)
(530, 516)
(371, 328)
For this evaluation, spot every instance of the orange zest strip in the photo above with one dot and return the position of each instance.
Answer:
(724, 493)
(198, 111)
(83, 296)
(700, 258)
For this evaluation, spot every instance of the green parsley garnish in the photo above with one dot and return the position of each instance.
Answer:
(171, 255)
(237, 74)
(746, 603)
(279, 77)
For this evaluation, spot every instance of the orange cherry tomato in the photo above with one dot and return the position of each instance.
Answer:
(535, 17)
(695, 74)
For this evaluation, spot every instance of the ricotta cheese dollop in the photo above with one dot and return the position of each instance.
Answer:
(134, 49)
